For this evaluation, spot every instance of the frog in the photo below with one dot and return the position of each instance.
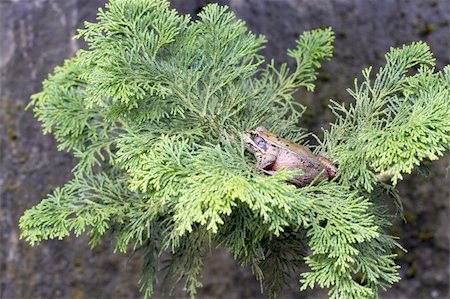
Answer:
(275, 153)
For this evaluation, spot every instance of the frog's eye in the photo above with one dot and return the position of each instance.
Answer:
(260, 142)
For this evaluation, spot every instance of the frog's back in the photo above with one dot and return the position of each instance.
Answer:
(285, 143)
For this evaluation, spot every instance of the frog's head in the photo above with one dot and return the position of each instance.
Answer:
(255, 140)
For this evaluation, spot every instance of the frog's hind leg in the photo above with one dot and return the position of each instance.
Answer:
(329, 167)
(299, 181)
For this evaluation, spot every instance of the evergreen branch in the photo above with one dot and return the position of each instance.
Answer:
(187, 262)
(395, 123)
(82, 204)
(344, 245)
(312, 47)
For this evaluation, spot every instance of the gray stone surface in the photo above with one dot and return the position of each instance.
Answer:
(36, 35)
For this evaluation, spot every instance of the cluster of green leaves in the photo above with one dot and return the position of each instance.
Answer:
(154, 110)
(398, 120)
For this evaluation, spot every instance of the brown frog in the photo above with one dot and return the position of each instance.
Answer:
(274, 153)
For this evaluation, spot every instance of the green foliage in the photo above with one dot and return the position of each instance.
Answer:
(395, 123)
(154, 110)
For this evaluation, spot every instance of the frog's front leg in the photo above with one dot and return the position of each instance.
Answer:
(264, 162)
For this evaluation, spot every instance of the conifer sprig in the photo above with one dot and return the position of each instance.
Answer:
(396, 122)
(154, 110)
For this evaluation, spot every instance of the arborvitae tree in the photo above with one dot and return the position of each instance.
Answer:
(154, 111)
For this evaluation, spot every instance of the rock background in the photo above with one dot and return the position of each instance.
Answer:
(36, 35)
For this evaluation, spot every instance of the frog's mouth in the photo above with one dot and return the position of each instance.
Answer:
(251, 147)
